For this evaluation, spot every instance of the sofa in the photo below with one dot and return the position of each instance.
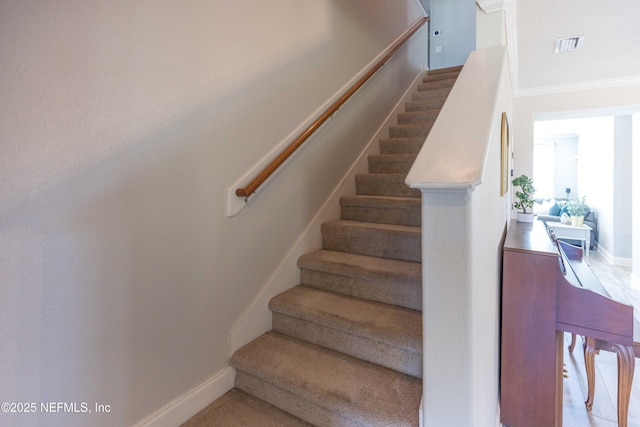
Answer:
(552, 210)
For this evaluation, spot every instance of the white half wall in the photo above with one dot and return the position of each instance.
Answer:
(464, 220)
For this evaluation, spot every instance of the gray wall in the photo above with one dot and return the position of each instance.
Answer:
(622, 161)
(455, 23)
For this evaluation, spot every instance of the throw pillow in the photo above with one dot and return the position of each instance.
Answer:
(554, 210)
(564, 210)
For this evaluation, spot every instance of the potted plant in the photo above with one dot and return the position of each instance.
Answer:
(577, 209)
(525, 197)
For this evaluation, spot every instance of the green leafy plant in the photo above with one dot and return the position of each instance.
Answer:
(525, 194)
(577, 206)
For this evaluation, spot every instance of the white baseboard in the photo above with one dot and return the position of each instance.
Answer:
(613, 260)
(623, 262)
(186, 406)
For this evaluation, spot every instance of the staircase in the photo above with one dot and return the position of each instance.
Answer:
(346, 344)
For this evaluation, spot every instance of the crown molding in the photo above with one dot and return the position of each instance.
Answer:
(510, 17)
(489, 6)
(579, 86)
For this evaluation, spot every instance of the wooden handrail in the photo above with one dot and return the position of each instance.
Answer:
(300, 139)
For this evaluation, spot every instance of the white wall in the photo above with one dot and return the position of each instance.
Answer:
(603, 169)
(574, 104)
(562, 156)
(565, 171)
(622, 188)
(490, 28)
(123, 125)
(464, 218)
(635, 195)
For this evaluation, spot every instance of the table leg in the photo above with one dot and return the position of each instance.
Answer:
(587, 243)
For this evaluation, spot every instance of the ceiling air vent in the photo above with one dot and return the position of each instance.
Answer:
(568, 44)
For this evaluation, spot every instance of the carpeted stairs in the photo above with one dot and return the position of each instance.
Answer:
(346, 344)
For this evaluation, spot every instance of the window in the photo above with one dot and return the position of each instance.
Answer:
(543, 169)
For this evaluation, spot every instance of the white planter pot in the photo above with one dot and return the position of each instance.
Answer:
(577, 221)
(524, 217)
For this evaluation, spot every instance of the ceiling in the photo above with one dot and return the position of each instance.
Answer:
(608, 56)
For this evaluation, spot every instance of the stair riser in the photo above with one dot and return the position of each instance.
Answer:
(390, 282)
(401, 146)
(426, 117)
(409, 131)
(393, 244)
(385, 188)
(397, 216)
(438, 77)
(292, 403)
(455, 69)
(387, 290)
(429, 104)
(401, 360)
(387, 166)
(430, 94)
(435, 84)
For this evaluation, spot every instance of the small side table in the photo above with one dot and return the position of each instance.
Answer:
(564, 231)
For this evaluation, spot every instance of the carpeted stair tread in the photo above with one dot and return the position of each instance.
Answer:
(379, 333)
(239, 409)
(425, 104)
(401, 145)
(366, 238)
(384, 280)
(384, 184)
(362, 393)
(441, 74)
(441, 82)
(438, 92)
(438, 80)
(361, 266)
(382, 209)
(428, 116)
(391, 163)
(410, 130)
(397, 326)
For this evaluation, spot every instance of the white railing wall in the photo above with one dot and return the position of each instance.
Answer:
(464, 219)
